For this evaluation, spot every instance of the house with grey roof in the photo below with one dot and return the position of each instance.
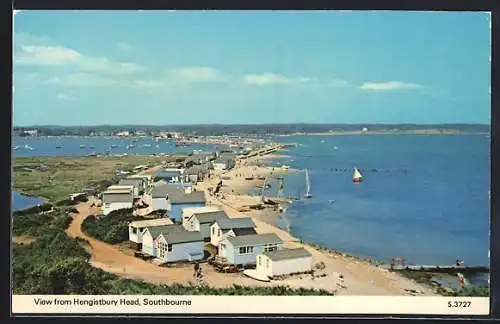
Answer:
(159, 196)
(178, 200)
(171, 243)
(116, 198)
(136, 228)
(136, 183)
(241, 250)
(284, 262)
(225, 161)
(202, 221)
(224, 227)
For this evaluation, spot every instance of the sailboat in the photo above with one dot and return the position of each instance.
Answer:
(308, 186)
(357, 177)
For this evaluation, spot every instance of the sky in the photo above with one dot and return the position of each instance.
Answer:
(250, 67)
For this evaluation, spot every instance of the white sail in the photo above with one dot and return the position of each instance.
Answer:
(357, 175)
(308, 185)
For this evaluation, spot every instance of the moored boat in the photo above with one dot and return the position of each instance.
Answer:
(357, 177)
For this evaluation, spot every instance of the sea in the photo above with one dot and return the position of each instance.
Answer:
(424, 197)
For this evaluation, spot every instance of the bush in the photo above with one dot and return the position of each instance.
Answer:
(112, 228)
(34, 224)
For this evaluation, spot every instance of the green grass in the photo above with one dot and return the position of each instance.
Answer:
(67, 175)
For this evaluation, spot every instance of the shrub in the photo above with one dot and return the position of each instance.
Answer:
(112, 228)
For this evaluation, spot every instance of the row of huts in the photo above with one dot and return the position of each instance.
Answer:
(171, 188)
(235, 239)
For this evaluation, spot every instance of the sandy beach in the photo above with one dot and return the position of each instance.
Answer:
(360, 277)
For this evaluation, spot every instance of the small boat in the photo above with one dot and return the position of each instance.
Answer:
(82, 146)
(308, 186)
(286, 167)
(16, 147)
(58, 147)
(331, 201)
(28, 147)
(147, 145)
(92, 147)
(157, 146)
(335, 148)
(130, 146)
(357, 177)
(114, 145)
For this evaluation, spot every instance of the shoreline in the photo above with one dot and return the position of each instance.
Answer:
(351, 266)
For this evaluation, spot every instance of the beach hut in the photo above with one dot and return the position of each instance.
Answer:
(135, 229)
(178, 200)
(149, 235)
(136, 183)
(189, 211)
(116, 198)
(179, 246)
(225, 227)
(284, 262)
(242, 250)
(203, 221)
(159, 196)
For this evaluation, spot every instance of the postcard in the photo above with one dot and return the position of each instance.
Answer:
(200, 162)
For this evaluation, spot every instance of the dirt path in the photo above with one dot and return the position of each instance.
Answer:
(360, 278)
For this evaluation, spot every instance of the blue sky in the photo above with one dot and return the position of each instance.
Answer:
(159, 67)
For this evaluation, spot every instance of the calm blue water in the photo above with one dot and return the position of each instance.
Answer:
(22, 202)
(44, 146)
(428, 201)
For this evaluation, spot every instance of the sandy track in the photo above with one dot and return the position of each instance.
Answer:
(360, 277)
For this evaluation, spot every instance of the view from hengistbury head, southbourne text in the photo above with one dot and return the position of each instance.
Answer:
(251, 153)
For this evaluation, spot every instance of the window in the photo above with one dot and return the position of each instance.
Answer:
(260, 260)
(169, 247)
(222, 246)
(213, 230)
(134, 230)
(161, 250)
(246, 249)
(218, 233)
(140, 229)
(267, 263)
(271, 247)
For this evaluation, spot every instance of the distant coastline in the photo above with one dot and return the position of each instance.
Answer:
(406, 132)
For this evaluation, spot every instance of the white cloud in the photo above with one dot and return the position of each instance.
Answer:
(390, 85)
(42, 55)
(125, 46)
(196, 74)
(64, 97)
(269, 78)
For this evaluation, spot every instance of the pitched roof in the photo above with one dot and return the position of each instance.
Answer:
(180, 197)
(182, 237)
(152, 222)
(157, 230)
(118, 197)
(252, 240)
(286, 254)
(231, 223)
(244, 231)
(209, 217)
(133, 182)
(163, 191)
